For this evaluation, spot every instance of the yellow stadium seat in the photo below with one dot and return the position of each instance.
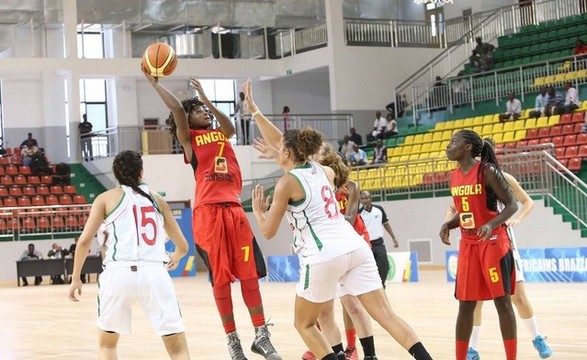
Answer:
(530, 123)
(362, 174)
(389, 152)
(426, 147)
(581, 74)
(507, 137)
(486, 130)
(554, 119)
(409, 140)
(416, 149)
(458, 124)
(508, 126)
(542, 121)
(417, 179)
(477, 129)
(450, 124)
(497, 128)
(373, 173)
(439, 126)
(520, 135)
(418, 138)
(488, 119)
(406, 150)
(559, 78)
(583, 106)
(435, 146)
(549, 79)
(404, 158)
(468, 123)
(437, 136)
(427, 137)
(397, 151)
(539, 81)
(478, 120)
(570, 76)
(413, 157)
(424, 156)
(497, 137)
(446, 134)
(519, 124)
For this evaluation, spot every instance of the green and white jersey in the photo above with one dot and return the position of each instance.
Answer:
(136, 229)
(320, 231)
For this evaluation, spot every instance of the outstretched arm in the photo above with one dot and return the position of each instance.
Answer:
(269, 131)
(226, 126)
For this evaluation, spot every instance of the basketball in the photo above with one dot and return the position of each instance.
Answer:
(159, 60)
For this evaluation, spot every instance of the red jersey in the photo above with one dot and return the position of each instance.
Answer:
(359, 225)
(218, 175)
(470, 197)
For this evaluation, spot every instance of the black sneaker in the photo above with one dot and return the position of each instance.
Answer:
(262, 344)
(234, 347)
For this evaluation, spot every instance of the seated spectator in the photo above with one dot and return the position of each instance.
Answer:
(513, 109)
(391, 127)
(540, 104)
(28, 255)
(380, 153)
(28, 152)
(347, 146)
(30, 137)
(571, 103)
(378, 126)
(62, 175)
(57, 252)
(356, 138)
(401, 105)
(358, 157)
(485, 52)
(475, 61)
(580, 49)
(555, 99)
(460, 89)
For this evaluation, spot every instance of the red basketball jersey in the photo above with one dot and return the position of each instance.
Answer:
(359, 225)
(470, 197)
(218, 175)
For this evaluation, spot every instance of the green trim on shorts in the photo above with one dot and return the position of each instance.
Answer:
(307, 277)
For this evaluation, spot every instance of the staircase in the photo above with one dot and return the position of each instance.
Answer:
(85, 183)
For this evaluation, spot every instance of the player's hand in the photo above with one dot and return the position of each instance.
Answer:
(484, 232)
(258, 200)
(173, 262)
(512, 222)
(153, 80)
(248, 90)
(195, 83)
(395, 243)
(76, 284)
(267, 151)
(444, 231)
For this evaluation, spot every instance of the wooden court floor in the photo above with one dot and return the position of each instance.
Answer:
(39, 322)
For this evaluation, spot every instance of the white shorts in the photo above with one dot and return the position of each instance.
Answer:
(517, 257)
(148, 284)
(356, 272)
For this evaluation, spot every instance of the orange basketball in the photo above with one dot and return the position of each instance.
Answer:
(159, 60)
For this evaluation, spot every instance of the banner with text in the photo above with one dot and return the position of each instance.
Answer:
(541, 264)
(187, 264)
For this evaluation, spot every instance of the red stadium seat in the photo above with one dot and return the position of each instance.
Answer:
(79, 199)
(543, 132)
(4, 160)
(522, 143)
(582, 150)
(545, 140)
(57, 223)
(560, 153)
(555, 131)
(10, 202)
(43, 190)
(33, 180)
(571, 151)
(11, 170)
(28, 191)
(578, 117)
(570, 140)
(533, 142)
(51, 200)
(28, 224)
(15, 191)
(582, 139)
(6, 180)
(56, 190)
(574, 164)
(558, 141)
(578, 128)
(71, 222)
(69, 189)
(25, 170)
(46, 179)
(65, 199)
(3, 192)
(24, 201)
(567, 129)
(38, 200)
(43, 223)
(20, 180)
(532, 133)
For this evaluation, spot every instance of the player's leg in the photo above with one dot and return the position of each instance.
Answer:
(107, 344)
(472, 353)
(305, 319)
(329, 327)
(522, 304)
(357, 314)
(176, 346)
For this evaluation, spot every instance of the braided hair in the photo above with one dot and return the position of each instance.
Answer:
(484, 150)
(188, 106)
(127, 167)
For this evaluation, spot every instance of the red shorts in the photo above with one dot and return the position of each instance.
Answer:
(226, 243)
(485, 270)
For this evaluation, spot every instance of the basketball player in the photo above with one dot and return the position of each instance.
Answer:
(485, 269)
(227, 246)
(329, 249)
(135, 263)
(519, 298)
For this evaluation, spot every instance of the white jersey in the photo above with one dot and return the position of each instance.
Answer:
(320, 231)
(136, 229)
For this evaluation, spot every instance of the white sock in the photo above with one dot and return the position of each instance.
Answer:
(474, 339)
(532, 326)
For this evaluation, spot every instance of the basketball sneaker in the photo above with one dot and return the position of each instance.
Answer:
(234, 347)
(308, 355)
(262, 344)
(542, 347)
(351, 353)
(472, 354)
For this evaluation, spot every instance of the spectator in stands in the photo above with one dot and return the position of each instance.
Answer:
(572, 102)
(62, 175)
(358, 157)
(285, 116)
(85, 129)
(28, 255)
(401, 103)
(540, 104)
(380, 153)
(347, 146)
(30, 137)
(513, 109)
(29, 152)
(580, 49)
(460, 89)
(475, 61)
(391, 127)
(485, 51)
(356, 138)
(57, 252)
(378, 126)
(555, 99)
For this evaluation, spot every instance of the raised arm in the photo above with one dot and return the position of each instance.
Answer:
(226, 126)
(269, 131)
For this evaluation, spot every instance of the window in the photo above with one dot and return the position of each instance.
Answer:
(90, 42)
(222, 95)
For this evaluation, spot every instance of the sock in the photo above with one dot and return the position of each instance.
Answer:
(418, 351)
(330, 356)
(223, 300)
(532, 326)
(511, 348)
(258, 320)
(351, 337)
(368, 345)
(338, 348)
(474, 339)
(461, 349)
(252, 299)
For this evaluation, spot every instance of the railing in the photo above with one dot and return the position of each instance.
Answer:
(489, 26)
(495, 85)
